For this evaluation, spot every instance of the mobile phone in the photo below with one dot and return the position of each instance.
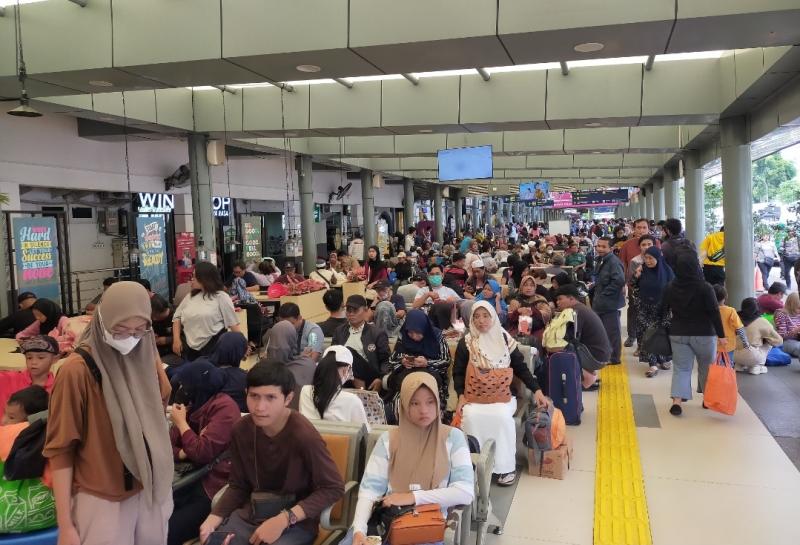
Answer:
(217, 538)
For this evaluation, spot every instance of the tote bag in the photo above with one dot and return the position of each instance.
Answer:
(721, 393)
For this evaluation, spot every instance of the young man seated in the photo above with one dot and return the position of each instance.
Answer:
(333, 299)
(41, 352)
(282, 476)
(369, 345)
(310, 338)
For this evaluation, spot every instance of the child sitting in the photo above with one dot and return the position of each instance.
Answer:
(731, 323)
(41, 352)
(30, 500)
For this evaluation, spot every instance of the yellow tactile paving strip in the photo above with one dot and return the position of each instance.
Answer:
(620, 504)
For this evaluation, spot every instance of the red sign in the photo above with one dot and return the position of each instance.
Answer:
(561, 200)
(185, 253)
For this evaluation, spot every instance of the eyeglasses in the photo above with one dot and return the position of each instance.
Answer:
(136, 334)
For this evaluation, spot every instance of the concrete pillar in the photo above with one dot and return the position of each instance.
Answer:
(737, 208)
(305, 177)
(459, 209)
(672, 202)
(658, 200)
(8, 304)
(408, 204)
(368, 204)
(695, 198)
(200, 180)
(438, 220)
(649, 202)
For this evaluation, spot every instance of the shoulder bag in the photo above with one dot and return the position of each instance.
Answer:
(408, 525)
(656, 341)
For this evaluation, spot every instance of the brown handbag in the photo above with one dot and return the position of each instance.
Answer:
(488, 385)
(422, 524)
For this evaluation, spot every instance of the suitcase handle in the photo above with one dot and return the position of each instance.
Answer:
(564, 387)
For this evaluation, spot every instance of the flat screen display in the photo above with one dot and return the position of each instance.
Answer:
(465, 163)
(534, 191)
(600, 196)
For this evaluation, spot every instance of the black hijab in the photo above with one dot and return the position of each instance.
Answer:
(750, 311)
(52, 314)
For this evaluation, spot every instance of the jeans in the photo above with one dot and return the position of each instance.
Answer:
(613, 330)
(765, 270)
(787, 263)
(684, 351)
(791, 346)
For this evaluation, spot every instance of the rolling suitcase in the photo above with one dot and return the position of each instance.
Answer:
(564, 385)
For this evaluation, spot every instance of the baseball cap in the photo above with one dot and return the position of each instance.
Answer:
(40, 343)
(381, 285)
(342, 353)
(25, 295)
(288, 265)
(320, 263)
(569, 290)
(356, 301)
(419, 276)
(402, 254)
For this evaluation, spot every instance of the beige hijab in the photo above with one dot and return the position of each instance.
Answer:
(418, 455)
(131, 391)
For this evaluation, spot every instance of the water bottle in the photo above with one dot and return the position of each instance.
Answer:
(312, 340)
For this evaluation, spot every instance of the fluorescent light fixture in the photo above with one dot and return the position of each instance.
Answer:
(593, 125)
(690, 56)
(608, 62)
(524, 67)
(100, 83)
(309, 81)
(12, 3)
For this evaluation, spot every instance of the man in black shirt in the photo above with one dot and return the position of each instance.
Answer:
(21, 318)
(333, 299)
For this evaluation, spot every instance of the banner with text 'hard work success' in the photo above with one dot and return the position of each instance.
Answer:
(153, 251)
(36, 245)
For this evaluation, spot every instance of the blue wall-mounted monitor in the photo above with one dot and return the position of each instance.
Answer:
(465, 163)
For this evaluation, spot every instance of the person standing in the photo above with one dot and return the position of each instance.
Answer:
(649, 283)
(695, 330)
(629, 250)
(766, 256)
(675, 241)
(790, 254)
(608, 296)
(712, 255)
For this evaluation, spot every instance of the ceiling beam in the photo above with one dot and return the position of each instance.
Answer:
(81, 3)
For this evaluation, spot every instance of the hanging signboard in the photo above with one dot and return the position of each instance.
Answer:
(185, 252)
(251, 238)
(36, 244)
(151, 234)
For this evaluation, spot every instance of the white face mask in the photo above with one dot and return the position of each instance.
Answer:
(123, 346)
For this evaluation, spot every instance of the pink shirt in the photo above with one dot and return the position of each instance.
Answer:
(60, 333)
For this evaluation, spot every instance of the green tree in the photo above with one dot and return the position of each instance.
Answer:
(713, 200)
(774, 178)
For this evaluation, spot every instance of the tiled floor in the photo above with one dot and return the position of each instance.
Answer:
(709, 478)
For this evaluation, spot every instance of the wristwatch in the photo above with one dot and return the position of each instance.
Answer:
(291, 516)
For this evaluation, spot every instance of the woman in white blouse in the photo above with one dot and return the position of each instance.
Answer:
(324, 398)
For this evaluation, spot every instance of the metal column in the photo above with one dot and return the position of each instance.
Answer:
(307, 229)
(459, 210)
(658, 200)
(695, 198)
(200, 180)
(672, 203)
(368, 204)
(737, 209)
(649, 202)
(408, 203)
(438, 220)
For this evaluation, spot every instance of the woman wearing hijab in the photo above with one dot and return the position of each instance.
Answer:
(107, 438)
(648, 283)
(49, 321)
(695, 327)
(492, 294)
(228, 355)
(528, 303)
(761, 336)
(202, 425)
(324, 399)
(283, 346)
(375, 269)
(420, 462)
(420, 347)
(488, 352)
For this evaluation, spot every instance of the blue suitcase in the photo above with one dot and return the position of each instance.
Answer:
(564, 385)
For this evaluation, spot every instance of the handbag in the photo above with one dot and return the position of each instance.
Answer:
(488, 385)
(656, 341)
(408, 525)
(373, 404)
(769, 261)
(720, 393)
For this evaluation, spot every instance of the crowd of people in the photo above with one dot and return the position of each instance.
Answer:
(446, 337)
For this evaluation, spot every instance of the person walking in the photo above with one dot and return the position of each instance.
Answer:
(790, 254)
(766, 256)
(648, 284)
(608, 296)
(695, 330)
(712, 255)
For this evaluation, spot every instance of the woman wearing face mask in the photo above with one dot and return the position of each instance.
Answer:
(324, 398)
(420, 462)
(375, 268)
(420, 347)
(487, 352)
(107, 438)
(49, 321)
(202, 424)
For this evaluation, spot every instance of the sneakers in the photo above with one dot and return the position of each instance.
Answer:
(650, 373)
(742, 369)
(754, 370)
(506, 479)
(666, 366)
(629, 342)
(675, 410)
(764, 369)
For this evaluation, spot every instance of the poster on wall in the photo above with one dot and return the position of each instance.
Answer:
(185, 253)
(251, 238)
(151, 234)
(36, 244)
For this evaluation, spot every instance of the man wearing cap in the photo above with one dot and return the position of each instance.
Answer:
(41, 352)
(21, 318)
(368, 343)
(388, 309)
(472, 255)
(289, 275)
(327, 275)
(402, 270)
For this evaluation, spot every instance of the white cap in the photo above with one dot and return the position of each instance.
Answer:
(478, 263)
(531, 244)
(343, 354)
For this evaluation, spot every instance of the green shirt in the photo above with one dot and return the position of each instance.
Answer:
(573, 260)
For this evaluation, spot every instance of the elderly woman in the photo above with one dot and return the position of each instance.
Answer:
(488, 354)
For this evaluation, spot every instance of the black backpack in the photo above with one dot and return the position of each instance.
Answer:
(25, 461)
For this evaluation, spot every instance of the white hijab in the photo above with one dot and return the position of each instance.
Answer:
(494, 346)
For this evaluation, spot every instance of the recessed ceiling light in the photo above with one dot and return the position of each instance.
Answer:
(589, 47)
(308, 68)
(593, 125)
(100, 83)
(596, 152)
(426, 131)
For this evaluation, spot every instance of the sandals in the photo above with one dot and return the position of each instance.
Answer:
(650, 373)
(666, 366)
(507, 479)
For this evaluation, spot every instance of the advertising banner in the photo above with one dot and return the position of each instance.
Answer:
(251, 238)
(185, 252)
(36, 244)
(151, 234)
(561, 200)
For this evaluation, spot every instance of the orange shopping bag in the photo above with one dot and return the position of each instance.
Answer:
(720, 393)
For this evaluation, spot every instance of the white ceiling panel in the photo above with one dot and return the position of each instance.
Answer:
(334, 106)
(511, 96)
(612, 138)
(270, 108)
(432, 102)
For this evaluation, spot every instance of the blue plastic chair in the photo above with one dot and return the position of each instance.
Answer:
(40, 537)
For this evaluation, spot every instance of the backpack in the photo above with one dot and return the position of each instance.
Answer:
(25, 461)
(544, 428)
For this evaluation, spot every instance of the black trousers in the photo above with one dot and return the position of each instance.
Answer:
(714, 274)
(613, 329)
(786, 264)
(192, 506)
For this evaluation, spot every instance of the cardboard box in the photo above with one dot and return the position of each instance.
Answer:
(552, 464)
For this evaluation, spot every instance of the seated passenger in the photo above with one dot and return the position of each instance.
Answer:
(761, 335)
(283, 348)
(49, 321)
(787, 323)
(289, 275)
(27, 504)
(528, 303)
(324, 399)
(19, 319)
(310, 338)
(389, 310)
(228, 355)
(96, 301)
(419, 463)
(369, 345)
(203, 418)
(772, 300)
(333, 299)
(276, 452)
(41, 352)
(162, 326)
(440, 301)
(420, 347)
(492, 294)
(488, 349)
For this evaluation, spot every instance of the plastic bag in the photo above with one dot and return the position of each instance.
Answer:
(721, 393)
